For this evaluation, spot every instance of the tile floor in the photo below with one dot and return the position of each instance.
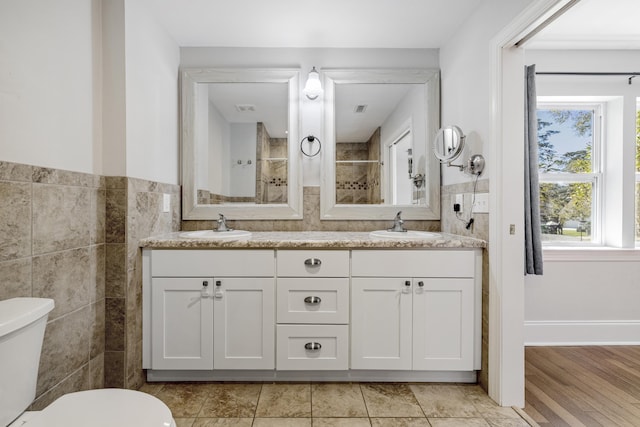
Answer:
(331, 405)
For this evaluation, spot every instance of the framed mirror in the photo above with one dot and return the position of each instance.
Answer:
(239, 144)
(379, 129)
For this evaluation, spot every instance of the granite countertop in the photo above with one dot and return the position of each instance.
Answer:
(310, 239)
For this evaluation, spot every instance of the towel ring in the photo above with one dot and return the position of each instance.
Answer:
(311, 140)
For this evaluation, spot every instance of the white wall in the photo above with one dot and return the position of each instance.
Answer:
(50, 100)
(152, 61)
(465, 63)
(311, 111)
(243, 148)
(592, 297)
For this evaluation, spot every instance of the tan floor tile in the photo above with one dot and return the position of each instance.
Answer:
(400, 422)
(282, 422)
(284, 401)
(507, 422)
(184, 422)
(337, 400)
(341, 422)
(486, 406)
(151, 388)
(231, 401)
(223, 422)
(444, 401)
(390, 400)
(458, 422)
(184, 400)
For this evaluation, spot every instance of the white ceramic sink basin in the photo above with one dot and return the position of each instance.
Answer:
(217, 235)
(407, 235)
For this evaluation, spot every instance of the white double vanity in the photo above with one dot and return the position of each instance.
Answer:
(322, 306)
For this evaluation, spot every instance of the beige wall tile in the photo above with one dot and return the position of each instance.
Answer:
(65, 348)
(96, 371)
(15, 172)
(97, 329)
(61, 218)
(15, 278)
(77, 381)
(64, 276)
(98, 273)
(98, 215)
(15, 220)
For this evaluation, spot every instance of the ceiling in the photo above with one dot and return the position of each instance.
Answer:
(606, 24)
(307, 23)
(593, 24)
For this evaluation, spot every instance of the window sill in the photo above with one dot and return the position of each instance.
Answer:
(590, 253)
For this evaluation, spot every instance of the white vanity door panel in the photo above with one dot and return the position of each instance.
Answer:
(318, 300)
(413, 263)
(244, 323)
(313, 347)
(313, 263)
(381, 323)
(443, 312)
(212, 262)
(182, 324)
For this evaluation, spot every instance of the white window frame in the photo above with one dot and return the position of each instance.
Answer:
(596, 177)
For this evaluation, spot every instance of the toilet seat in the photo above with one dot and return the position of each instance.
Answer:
(104, 408)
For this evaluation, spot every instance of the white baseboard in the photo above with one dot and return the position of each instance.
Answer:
(582, 332)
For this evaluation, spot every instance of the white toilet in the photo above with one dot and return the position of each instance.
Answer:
(22, 325)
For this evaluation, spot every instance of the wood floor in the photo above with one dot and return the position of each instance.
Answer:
(583, 386)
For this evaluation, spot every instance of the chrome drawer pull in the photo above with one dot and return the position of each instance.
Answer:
(312, 300)
(313, 346)
(312, 262)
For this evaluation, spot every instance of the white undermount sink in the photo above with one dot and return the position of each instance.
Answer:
(217, 235)
(403, 235)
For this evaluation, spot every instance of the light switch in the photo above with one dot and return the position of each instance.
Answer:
(481, 203)
(166, 203)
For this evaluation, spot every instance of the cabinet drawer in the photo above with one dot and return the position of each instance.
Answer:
(317, 300)
(424, 263)
(312, 347)
(310, 263)
(203, 262)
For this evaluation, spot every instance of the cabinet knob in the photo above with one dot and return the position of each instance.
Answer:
(313, 346)
(205, 283)
(421, 283)
(407, 283)
(312, 262)
(312, 300)
(218, 282)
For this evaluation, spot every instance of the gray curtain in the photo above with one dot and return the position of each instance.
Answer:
(532, 238)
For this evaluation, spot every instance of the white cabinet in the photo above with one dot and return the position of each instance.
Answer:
(381, 323)
(426, 320)
(182, 323)
(243, 326)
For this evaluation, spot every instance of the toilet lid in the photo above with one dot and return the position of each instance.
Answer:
(105, 408)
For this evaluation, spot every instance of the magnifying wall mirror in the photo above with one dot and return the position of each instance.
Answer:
(448, 144)
(239, 141)
(379, 125)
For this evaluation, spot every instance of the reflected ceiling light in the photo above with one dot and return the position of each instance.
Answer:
(313, 88)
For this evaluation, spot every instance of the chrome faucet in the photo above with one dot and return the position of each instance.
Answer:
(222, 224)
(397, 224)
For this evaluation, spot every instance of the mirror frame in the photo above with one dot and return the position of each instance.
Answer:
(329, 209)
(457, 132)
(191, 210)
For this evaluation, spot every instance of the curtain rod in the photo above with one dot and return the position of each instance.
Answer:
(631, 74)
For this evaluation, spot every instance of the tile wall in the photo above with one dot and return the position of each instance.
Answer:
(73, 237)
(52, 224)
(451, 223)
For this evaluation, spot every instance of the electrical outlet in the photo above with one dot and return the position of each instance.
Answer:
(460, 201)
(166, 202)
(481, 203)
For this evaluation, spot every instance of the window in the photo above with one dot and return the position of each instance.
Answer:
(570, 166)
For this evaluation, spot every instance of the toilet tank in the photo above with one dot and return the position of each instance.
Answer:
(22, 325)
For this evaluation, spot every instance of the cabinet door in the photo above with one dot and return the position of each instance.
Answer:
(443, 324)
(381, 323)
(244, 323)
(182, 323)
